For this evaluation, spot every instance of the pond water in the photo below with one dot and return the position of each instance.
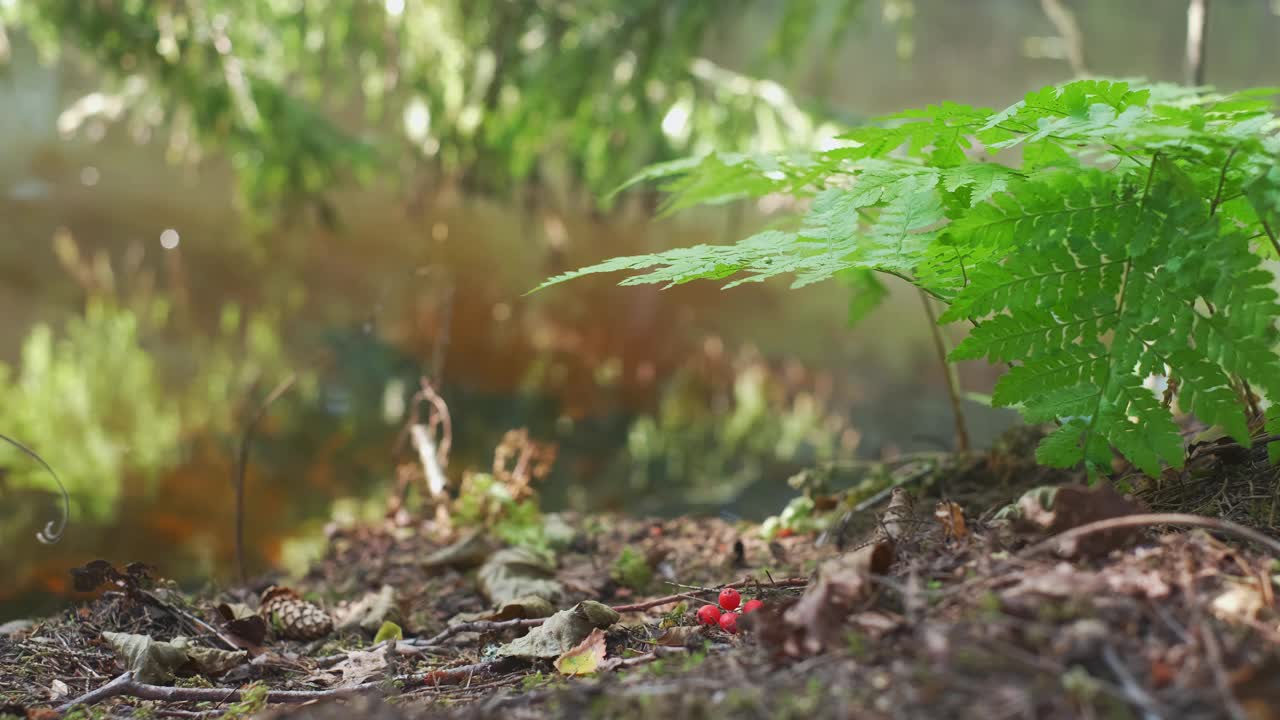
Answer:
(172, 319)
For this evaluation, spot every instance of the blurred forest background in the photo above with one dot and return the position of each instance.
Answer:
(200, 198)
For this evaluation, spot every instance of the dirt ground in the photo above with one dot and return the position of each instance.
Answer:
(965, 594)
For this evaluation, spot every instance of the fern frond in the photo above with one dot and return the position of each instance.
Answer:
(1085, 280)
(1095, 302)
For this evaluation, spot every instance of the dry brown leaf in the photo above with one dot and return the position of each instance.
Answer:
(842, 583)
(369, 612)
(680, 636)
(951, 516)
(1070, 506)
(561, 632)
(359, 666)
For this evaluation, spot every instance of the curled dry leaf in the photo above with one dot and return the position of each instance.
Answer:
(369, 612)
(951, 517)
(243, 627)
(96, 573)
(585, 658)
(561, 632)
(519, 608)
(468, 551)
(809, 626)
(680, 636)
(150, 660)
(155, 661)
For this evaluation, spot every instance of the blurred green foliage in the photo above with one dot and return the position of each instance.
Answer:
(305, 94)
(721, 430)
(94, 394)
(103, 406)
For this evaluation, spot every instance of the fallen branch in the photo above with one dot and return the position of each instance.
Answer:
(1146, 519)
(127, 685)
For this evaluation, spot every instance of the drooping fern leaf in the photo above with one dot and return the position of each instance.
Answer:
(1125, 241)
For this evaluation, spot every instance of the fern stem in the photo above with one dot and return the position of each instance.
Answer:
(1271, 236)
(949, 372)
(1222, 180)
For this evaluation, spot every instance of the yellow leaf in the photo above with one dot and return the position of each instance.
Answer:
(585, 658)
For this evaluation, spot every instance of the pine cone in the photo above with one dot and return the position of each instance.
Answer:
(292, 617)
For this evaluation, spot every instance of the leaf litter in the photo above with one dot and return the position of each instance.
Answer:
(945, 607)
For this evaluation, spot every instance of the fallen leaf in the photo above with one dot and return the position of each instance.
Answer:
(244, 627)
(210, 661)
(388, 631)
(680, 636)
(467, 552)
(811, 623)
(359, 666)
(561, 632)
(369, 612)
(58, 690)
(150, 660)
(1054, 510)
(517, 573)
(519, 608)
(585, 658)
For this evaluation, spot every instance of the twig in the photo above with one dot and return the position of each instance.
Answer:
(127, 685)
(1214, 653)
(669, 599)
(52, 532)
(450, 676)
(1151, 709)
(1145, 519)
(948, 371)
(478, 626)
(242, 466)
(184, 616)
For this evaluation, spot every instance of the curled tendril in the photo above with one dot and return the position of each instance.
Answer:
(53, 530)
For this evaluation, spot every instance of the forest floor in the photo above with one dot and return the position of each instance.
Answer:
(965, 594)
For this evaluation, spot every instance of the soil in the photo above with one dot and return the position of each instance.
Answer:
(953, 599)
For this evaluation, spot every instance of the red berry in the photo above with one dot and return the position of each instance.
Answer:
(751, 606)
(729, 623)
(729, 599)
(708, 615)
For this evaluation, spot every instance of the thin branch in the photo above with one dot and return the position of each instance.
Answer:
(1148, 519)
(1222, 180)
(671, 599)
(478, 626)
(127, 685)
(242, 466)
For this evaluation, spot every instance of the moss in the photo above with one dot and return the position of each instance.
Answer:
(632, 570)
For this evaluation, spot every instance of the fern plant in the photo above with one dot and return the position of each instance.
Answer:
(1093, 234)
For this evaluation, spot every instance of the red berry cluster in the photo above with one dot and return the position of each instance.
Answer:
(728, 619)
